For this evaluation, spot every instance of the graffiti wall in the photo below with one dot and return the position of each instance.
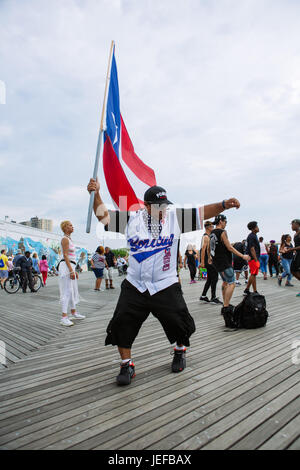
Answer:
(36, 241)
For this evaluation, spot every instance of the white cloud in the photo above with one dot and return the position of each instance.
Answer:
(5, 131)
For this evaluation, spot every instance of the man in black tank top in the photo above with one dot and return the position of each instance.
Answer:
(221, 252)
(205, 261)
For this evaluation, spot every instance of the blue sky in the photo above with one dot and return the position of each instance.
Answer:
(210, 93)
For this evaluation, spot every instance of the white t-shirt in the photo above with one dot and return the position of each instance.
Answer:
(263, 250)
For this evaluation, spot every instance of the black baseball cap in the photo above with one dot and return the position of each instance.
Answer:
(220, 218)
(156, 195)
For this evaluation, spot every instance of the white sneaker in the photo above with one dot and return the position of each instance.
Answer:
(77, 316)
(102, 290)
(66, 322)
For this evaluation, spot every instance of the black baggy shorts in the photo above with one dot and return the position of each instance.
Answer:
(134, 307)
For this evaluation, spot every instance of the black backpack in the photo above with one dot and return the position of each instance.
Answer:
(250, 313)
(231, 317)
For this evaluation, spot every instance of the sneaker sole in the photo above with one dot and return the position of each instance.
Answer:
(180, 370)
(121, 384)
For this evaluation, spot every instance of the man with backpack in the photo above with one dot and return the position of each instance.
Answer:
(221, 252)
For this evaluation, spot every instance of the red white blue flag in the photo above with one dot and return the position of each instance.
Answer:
(127, 177)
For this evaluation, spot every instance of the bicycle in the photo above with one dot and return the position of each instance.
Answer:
(14, 281)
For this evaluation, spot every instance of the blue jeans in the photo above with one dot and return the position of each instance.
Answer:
(228, 275)
(263, 259)
(286, 264)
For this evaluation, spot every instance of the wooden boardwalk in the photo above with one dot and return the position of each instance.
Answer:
(240, 389)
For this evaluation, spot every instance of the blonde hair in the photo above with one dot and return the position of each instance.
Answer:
(64, 224)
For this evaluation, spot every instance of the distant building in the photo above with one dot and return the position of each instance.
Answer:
(42, 224)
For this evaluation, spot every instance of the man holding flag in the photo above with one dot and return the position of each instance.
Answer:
(152, 229)
(152, 285)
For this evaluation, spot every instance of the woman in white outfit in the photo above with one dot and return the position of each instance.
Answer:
(69, 296)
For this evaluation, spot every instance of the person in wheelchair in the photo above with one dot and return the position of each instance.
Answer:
(122, 265)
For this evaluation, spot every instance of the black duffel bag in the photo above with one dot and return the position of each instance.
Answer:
(251, 312)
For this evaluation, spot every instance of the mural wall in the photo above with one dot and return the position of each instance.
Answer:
(38, 242)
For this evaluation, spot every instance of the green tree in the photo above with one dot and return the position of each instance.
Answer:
(120, 252)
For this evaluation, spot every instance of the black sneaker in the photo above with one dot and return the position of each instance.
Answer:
(215, 300)
(179, 361)
(126, 374)
(246, 292)
(206, 299)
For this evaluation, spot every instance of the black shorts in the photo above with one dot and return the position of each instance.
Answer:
(133, 308)
(239, 265)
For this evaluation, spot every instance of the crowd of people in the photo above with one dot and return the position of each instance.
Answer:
(251, 254)
(103, 263)
(27, 264)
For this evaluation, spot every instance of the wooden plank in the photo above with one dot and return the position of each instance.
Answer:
(286, 438)
(262, 433)
(62, 394)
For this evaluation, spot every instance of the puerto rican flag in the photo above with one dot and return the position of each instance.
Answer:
(127, 177)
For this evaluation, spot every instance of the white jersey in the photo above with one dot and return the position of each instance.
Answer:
(153, 257)
(152, 261)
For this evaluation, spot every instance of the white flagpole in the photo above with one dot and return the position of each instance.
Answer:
(100, 139)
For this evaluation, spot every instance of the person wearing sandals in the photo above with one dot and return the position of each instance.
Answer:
(286, 259)
(69, 296)
(98, 265)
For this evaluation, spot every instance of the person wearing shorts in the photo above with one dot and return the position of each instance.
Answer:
(152, 286)
(221, 252)
(3, 268)
(98, 265)
(253, 250)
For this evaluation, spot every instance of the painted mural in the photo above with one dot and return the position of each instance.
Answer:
(48, 247)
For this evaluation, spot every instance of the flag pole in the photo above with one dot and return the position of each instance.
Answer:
(100, 139)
